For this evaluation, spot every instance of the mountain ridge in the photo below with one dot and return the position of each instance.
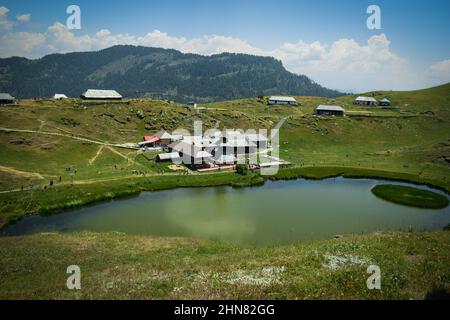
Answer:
(137, 71)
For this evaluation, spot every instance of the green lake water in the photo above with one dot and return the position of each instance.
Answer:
(279, 212)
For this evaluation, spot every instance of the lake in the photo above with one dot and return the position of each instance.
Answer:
(280, 212)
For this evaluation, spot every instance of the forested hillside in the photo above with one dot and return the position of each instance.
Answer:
(153, 72)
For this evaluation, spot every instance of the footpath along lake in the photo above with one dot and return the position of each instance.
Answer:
(280, 212)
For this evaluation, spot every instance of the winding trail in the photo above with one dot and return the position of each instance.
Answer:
(102, 144)
(25, 174)
(76, 182)
(125, 157)
(43, 123)
(102, 180)
(92, 160)
(70, 136)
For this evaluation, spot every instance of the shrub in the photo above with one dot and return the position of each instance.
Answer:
(242, 169)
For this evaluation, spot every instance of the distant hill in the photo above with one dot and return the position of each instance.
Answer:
(153, 72)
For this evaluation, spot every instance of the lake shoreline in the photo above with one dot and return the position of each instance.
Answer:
(338, 189)
(124, 190)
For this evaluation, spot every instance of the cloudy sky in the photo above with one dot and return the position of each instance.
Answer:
(328, 40)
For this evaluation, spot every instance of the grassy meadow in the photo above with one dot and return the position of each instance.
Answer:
(117, 266)
(39, 140)
(412, 197)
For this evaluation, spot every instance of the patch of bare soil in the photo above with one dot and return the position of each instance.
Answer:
(24, 174)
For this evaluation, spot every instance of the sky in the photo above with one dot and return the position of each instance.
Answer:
(327, 40)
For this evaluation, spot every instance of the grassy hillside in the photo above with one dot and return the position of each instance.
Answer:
(410, 141)
(40, 139)
(154, 72)
(117, 266)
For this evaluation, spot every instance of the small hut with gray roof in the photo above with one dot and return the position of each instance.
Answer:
(94, 94)
(324, 110)
(366, 101)
(282, 101)
(6, 98)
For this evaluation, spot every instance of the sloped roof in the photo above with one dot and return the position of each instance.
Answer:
(238, 143)
(59, 96)
(162, 134)
(199, 141)
(329, 108)
(101, 94)
(6, 96)
(284, 99)
(169, 156)
(385, 100)
(366, 99)
(151, 139)
(189, 149)
(203, 154)
(175, 145)
(225, 158)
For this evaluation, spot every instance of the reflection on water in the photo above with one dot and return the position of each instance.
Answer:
(276, 213)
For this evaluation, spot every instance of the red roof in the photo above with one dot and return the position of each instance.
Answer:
(151, 139)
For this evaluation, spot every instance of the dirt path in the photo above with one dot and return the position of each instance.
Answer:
(89, 181)
(125, 157)
(79, 182)
(94, 181)
(42, 124)
(24, 174)
(71, 136)
(91, 161)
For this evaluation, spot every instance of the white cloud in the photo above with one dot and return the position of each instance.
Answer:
(206, 45)
(300, 51)
(60, 39)
(439, 72)
(20, 44)
(347, 64)
(103, 33)
(344, 64)
(23, 17)
(5, 24)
